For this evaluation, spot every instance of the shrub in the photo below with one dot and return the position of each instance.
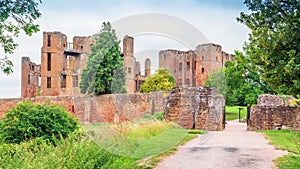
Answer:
(159, 115)
(27, 120)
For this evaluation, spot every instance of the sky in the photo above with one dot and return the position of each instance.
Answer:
(213, 20)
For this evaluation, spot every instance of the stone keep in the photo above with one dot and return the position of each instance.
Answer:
(195, 108)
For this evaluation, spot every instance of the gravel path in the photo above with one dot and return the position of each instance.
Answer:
(232, 148)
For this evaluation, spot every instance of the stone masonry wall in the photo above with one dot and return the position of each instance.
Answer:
(96, 109)
(273, 112)
(196, 107)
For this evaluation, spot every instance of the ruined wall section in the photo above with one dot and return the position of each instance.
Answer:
(98, 109)
(273, 112)
(168, 59)
(30, 85)
(195, 108)
(76, 63)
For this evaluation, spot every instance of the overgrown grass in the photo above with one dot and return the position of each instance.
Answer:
(285, 140)
(232, 112)
(139, 140)
(77, 151)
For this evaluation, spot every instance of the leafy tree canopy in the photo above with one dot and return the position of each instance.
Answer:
(104, 72)
(16, 16)
(273, 45)
(239, 82)
(243, 83)
(162, 80)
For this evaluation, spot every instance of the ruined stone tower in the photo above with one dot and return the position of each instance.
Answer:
(129, 64)
(147, 67)
(52, 72)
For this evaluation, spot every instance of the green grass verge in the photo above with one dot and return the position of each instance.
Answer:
(232, 112)
(285, 140)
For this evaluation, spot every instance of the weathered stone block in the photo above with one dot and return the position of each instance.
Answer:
(195, 107)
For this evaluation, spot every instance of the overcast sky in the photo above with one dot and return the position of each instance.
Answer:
(215, 19)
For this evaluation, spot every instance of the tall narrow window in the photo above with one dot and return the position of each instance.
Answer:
(187, 66)
(129, 70)
(202, 70)
(75, 81)
(28, 79)
(187, 82)
(49, 61)
(180, 82)
(195, 64)
(180, 66)
(48, 82)
(202, 58)
(63, 83)
(49, 39)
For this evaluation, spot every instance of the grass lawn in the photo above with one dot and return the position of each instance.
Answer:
(285, 140)
(232, 112)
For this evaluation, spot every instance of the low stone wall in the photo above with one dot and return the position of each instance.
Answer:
(272, 112)
(113, 108)
(196, 107)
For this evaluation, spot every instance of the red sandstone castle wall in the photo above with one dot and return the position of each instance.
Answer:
(96, 109)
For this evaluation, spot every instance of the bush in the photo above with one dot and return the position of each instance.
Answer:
(27, 120)
(159, 115)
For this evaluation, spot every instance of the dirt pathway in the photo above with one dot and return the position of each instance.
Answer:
(232, 148)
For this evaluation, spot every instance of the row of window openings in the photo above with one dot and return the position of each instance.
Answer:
(187, 82)
(188, 66)
(202, 57)
(49, 62)
(63, 82)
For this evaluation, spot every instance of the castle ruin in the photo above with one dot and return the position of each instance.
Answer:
(192, 68)
(62, 63)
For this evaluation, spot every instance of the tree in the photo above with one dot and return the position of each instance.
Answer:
(104, 62)
(274, 42)
(162, 80)
(238, 82)
(6, 65)
(243, 83)
(14, 17)
(118, 83)
(217, 80)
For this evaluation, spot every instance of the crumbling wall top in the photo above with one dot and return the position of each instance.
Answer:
(274, 100)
